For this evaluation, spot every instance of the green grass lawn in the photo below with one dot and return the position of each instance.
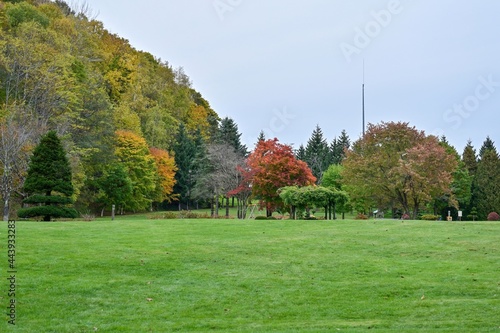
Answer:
(142, 275)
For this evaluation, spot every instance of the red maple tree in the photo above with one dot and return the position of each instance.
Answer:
(273, 165)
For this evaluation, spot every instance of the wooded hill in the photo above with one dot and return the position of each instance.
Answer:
(110, 103)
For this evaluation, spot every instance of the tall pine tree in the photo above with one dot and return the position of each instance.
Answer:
(317, 153)
(488, 144)
(228, 134)
(469, 158)
(339, 146)
(48, 183)
(486, 183)
(189, 154)
(300, 153)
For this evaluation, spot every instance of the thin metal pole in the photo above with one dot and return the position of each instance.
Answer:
(363, 98)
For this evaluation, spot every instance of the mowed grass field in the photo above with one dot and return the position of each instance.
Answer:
(142, 275)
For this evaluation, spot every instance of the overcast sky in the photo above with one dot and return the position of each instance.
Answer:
(285, 66)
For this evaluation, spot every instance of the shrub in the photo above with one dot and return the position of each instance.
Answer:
(87, 217)
(361, 216)
(405, 217)
(165, 215)
(51, 211)
(261, 217)
(170, 215)
(493, 216)
(271, 218)
(429, 217)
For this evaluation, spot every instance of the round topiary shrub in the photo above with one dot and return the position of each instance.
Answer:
(493, 216)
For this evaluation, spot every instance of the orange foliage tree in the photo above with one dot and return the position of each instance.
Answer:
(273, 166)
(166, 168)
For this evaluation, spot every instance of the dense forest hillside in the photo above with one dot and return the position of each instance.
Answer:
(110, 103)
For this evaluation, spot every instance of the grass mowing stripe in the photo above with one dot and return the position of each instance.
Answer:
(139, 275)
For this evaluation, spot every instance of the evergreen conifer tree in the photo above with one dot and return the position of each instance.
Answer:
(469, 158)
(48, 183)
(338, 147)
(189, 154)
(300, 153)
(488, 144)
(261, 137)
(486, 183)
(317, 153)
(228, 134)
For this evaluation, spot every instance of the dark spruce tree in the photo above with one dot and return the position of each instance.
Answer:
(338, 147)
(317, 153)
(189, 152)
(261, 137)
(300, 153)
(48, 182)
(486, 183)
(228, 134)
(488, 145)
(469, 158)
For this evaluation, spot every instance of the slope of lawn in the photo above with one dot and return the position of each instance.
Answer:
(142, 275)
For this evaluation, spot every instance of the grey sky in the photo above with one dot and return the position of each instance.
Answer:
(284, 66)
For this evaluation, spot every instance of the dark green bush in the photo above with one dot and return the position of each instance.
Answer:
(261, 217)
(53, 211)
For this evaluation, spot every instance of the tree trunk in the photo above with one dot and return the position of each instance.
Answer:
(217, 207)
(212, 212)
(6, 210)
(227, 207)
(269, 212)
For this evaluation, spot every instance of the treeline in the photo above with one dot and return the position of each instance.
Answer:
(138, 136)
(397, 168)
(121, 113)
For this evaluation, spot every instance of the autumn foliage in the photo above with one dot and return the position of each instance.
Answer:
(132, 151)
(273, 166)
(395, 164)
(165, 166)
